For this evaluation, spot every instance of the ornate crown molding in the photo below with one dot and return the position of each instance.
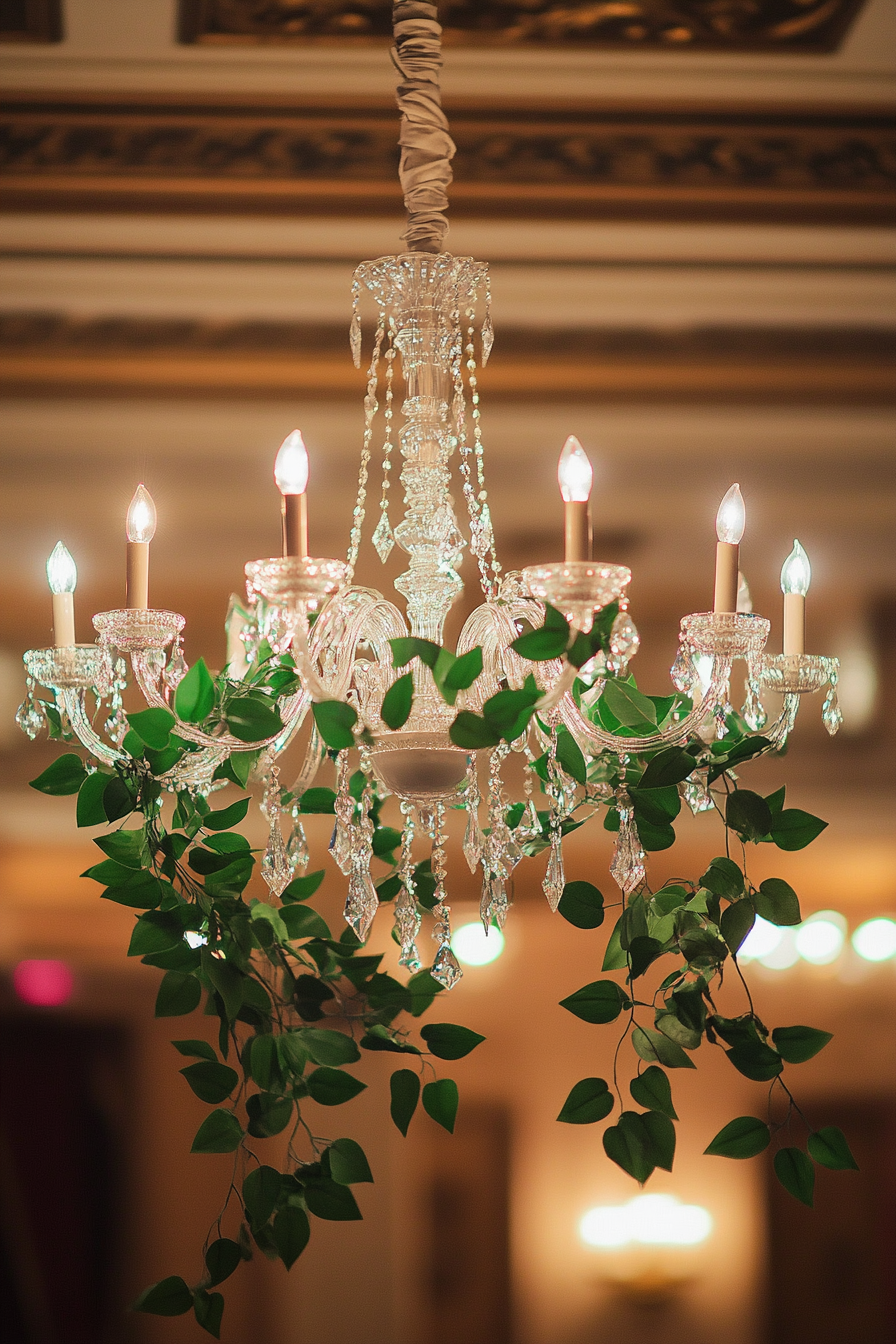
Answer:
(823, 165)
(764, 25)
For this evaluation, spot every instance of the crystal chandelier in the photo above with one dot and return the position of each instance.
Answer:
(540, 669)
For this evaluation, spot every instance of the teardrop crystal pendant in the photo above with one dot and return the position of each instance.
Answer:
(445, 968)
(383, 537)
(624, 638)
(831, 714)
(176, 670)
(488, 337)
(297, 847)
(753, 710)
(361, 903)
(30, 715)
(683, 673)
(275, 866)
(627, 868)
(472, 842)
(554, 879)
(342, 841)
(696, 795)
(407, 926)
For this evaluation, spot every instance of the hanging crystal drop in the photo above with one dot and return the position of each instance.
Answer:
(684, 673)
(488, 336)
(407, 916)
(354, 337)
(627, 868)
(383, 537)
(624, 638)
(177, 668)
(753, 709)
(275, 866)
(485, 900)
(445, 968)
(472, 842)
(696, 795)
(554, 880)
(362, 901)
(499, 903)
(297, 845)
(342, 843)
(30, 716)
(831, 714)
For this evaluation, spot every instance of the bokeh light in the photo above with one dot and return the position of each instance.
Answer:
(875, 940)
(474, 947)
(820, 938)
(649, 1220)
(46, 983)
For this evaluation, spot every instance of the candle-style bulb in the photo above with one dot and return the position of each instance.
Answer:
(62, 573)
(796, 572)
(574, 472)
(731, 517)
(141, 519)
(291, 465)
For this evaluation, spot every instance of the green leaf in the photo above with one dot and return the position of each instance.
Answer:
(407, 648)
(222, 1258)
(744, 1137)
(200, 1049)
(168, 1297)
(397, 702)
(547, 641)
(570, 758)
(264, 1061)
(156, 931)
(723, 878)
(756, 1061)
(796, 1173)
(736, 922)
(334, 721)
(656, 807)
(328, 1199)
(118, 800)
(423, 990)
(227, 980)
(208, 1308)
(655, 1048)
(615, 955)
(268, 1114)
(777, 902)
(462, 673)
(194, 698)
(630, 1146)
(797, 1044)
(582, 905)
(601, 1001)
(642, 953)
(589, 1101)
(126, 848)
(748, 814)
(301, 921)
(652, 1090)
(226, 817)
(793, 829)
(440, 1101)
(316, 801)
(670, 766)
(219, 1132)
(628, 705)
(661, 1132)
(829, 1148)
(301, 888)
(292, 1232)
(348, 1163)
(212, 1083)
(261, 1191)
(90, 810)
(329, 1047)
(153, 726)
(404, 1088)
(472, 732)
(448, 1041)
(64, 776)
(329, 1087)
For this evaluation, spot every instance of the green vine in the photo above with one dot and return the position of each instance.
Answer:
(296, 1006)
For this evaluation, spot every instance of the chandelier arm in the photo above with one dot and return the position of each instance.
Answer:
(314, 755)
(426, 146)
(598, 740)
(784, 723)
(72, 701)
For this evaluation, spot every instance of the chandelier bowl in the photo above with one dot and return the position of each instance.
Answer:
(296, 581)
(136, 629)
(419, 766)
(577, 588)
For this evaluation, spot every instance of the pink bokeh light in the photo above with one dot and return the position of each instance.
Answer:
(47, 983)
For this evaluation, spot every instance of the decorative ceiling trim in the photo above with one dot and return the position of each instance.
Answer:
(821, 165)
(30, 20)
(683, 25)
(55, 352)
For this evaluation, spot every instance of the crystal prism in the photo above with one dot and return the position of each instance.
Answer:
(30, 716)
(176, 670)
(831, 714)
(624, 638)
(697, 796)
(297, 847)
(627, 868)
(683, 673)
(275, 866)
(361, 903)
(354, 338)
(753, 710)
(445, 968)
(472, 842)
(342, 841)
(488, 338)
(554, 880)
(383, 537)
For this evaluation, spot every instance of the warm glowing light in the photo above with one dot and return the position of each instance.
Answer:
(62, 574)
(819, 939)
(875, 940)
(796, 572)
(474, 947)
(291, 465)
(141, 520)
(574, 472)
(45, 983)
(762, 939)
(731, 517)
(648, 1220)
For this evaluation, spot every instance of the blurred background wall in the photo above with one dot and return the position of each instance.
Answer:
(688, 209)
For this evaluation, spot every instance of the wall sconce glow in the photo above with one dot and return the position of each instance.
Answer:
(731, 518)
(141, 516)
(819, 939)
(574, 472)
(62, 573)
(796, 572)
(646, 1220)
(47, 984)
(291, 465)
(474, 947)
(875, 940)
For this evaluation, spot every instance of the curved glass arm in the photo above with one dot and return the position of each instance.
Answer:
(595, 739)
(72, 700)
(780, 730)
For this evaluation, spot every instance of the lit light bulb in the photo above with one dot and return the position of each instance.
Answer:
(796, 572)
(731, 517)
(574, 472)
(291, 465)
(62, 574)
(141, 519)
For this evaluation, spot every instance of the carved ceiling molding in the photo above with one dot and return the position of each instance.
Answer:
(30, 20)
(52, 352)
(720, 25)
(270, 156)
